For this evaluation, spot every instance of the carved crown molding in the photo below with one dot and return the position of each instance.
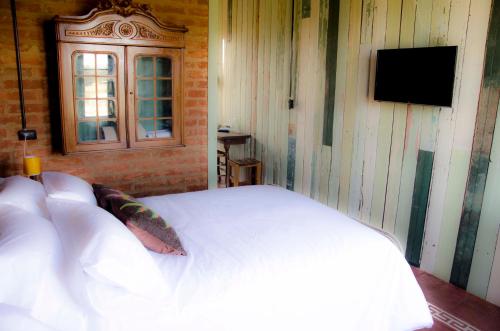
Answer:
(124, 7)
(119, 22)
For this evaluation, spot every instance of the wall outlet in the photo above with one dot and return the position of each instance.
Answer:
(26, 134)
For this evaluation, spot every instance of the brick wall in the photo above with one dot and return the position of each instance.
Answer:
(141, 172)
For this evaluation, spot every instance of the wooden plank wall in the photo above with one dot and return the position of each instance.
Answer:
(395, 166)
(255, 80)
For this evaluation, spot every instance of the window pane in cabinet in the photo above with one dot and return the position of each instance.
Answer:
(108, 131)
(163, 67)
(87, 131)
(146, 108)
(164, 128)
(85, 64)
(86, 108)
(146, 129)
(144, 66)
(105, 87)
(106, 108)
(164, 108)
(85, 87)
(145, 88)
(105, 64)
(163, 88)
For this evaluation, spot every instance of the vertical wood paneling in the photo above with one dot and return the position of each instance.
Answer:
(462, 137)
(400, 167)
(467, 243)
(457, 35)
(340, 92)
(419, 206)
(350, 103)
(386, 119)
(484, 251)
(408, 14)
(214, 74)
(378, 41)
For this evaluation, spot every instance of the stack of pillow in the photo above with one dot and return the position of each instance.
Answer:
(72, 265)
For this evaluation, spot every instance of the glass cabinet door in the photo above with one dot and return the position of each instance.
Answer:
(155, 79)
(95, 80)
(93, 105)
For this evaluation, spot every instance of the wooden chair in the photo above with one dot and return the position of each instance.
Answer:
(221, 165)
(255, 171)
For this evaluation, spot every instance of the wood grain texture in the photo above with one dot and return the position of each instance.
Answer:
(344, 149)
(457, 35)
(419, 206)
(466, 111)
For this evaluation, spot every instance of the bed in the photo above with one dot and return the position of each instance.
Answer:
(265, 258)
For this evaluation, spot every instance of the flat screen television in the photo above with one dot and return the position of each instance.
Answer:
(416, 75)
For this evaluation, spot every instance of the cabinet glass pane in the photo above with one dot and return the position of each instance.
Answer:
(85, 87)
(105, 87)
(146, 108)
(163, 128)
(164, 108)
(145, 88)
(144, 66)
(146, 129)
(106, 108)
(163, 67)
(105, 64)
(87, 131)
(163, 88)
(85, 64)
(108, 131)
(86, 109)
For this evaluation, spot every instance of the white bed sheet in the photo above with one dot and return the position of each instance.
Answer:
(264, 258)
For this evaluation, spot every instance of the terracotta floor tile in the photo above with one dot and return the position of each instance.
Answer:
(465, 306)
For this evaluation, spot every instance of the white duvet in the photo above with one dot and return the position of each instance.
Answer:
(264, 258)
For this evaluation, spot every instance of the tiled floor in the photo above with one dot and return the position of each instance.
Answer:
(473, 310)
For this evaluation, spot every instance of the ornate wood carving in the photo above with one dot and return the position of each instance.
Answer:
(145, 32)
(119, 22)
(103, 30)
(124, 7)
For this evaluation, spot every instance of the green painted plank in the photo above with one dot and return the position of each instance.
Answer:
(331, 70)
(419, 206)
(340, 93)
(478, 173)
(469, 221)
(489, 222)
(492, 66)
(306, 8)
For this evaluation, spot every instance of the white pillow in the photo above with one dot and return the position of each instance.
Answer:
(106, 250)
(64, 186)
(24, 193)
(30, 270)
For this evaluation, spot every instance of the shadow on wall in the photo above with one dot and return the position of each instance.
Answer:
(53, 86)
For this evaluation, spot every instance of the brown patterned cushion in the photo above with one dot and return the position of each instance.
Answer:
(147, 225)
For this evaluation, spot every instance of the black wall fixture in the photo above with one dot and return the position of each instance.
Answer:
(24, 133)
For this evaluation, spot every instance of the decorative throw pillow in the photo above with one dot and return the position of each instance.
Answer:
(147, 225)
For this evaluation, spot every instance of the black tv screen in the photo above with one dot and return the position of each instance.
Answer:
(416, 75)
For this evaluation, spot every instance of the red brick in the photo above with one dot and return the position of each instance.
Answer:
(142, 172)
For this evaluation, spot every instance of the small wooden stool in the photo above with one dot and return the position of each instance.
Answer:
(252, 164)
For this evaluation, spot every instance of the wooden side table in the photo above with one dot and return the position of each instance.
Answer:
(228, 139)
(252, 164)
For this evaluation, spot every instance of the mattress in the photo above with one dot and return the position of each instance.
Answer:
(264, 258)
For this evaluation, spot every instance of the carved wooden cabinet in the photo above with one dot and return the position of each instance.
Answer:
(121, 79)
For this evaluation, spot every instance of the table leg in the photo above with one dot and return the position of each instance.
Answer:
(228, 170)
